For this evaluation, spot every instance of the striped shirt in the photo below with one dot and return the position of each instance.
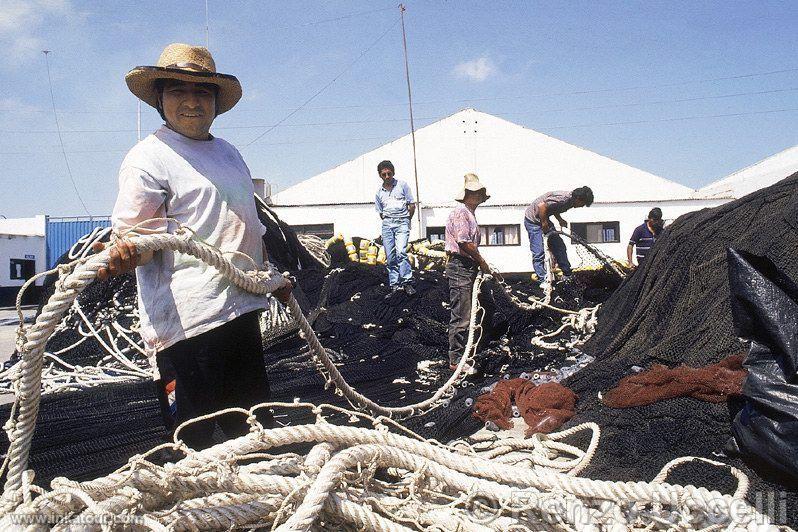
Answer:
(643, 240)
(461, 226)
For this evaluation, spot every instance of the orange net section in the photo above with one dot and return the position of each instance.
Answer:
(544, 408)
(713, 383)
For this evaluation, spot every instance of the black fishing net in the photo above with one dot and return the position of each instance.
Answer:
(676, 310)
(392, 348)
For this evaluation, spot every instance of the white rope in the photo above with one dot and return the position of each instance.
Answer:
(316, 247)
(435, 484)
(423, 485)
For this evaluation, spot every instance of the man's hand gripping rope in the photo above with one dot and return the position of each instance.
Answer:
(123, 257)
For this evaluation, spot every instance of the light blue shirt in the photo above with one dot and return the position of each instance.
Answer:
(393, 203)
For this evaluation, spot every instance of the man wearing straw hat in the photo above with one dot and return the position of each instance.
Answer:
(204, 330)
(464, 262)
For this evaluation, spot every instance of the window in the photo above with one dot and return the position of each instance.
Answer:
(436, 233)
(22, 269)
(598, 232)
(500, 235)
(323, 231)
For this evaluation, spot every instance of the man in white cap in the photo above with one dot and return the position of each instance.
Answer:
(203, 329)
(464, 262)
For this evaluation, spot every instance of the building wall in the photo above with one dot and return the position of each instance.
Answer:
(20, 247)
(21, 239)
(361, 220)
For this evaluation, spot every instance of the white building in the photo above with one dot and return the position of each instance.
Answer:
(23, 253)
(766, 172)
(515, 163)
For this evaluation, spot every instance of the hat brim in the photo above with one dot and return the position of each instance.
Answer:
(141, 82)
(461, 197)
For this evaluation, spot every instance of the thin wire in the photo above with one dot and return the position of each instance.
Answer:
(388, 139)
(286, 143)
(58, 128)
(325, 87)
(674, 119)
(462, 100)
(546, 128)
(385, 120)
(336, 19)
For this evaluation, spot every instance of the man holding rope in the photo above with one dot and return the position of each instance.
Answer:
(204, 331)
(463, 263)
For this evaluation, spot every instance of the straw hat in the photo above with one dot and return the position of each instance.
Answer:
(185, 63)
(473, 184)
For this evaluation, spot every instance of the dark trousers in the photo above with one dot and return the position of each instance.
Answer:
(221, 368)
(461, 273)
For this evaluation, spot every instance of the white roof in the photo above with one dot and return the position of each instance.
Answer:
(34, 226)
(516, 165)
(760, 175)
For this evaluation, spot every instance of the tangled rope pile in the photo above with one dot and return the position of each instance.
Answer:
(316, 247)
(376, 479)
(368, 478)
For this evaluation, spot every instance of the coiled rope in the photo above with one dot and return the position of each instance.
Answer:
(208, 488)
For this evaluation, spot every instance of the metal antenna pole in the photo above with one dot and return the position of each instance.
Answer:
(207, 27)
(412, 125)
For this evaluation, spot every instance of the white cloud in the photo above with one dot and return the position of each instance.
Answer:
(21, 22)
(478, 69)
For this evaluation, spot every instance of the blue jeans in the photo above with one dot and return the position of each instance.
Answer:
(556, 245)
(395, 235)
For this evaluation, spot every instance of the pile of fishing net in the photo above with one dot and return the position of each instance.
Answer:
(676, 310)
(391, 349)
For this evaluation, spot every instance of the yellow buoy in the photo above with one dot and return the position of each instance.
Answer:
(350, 250)
(372, 255)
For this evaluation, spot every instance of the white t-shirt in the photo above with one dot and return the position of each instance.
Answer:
(206, 186)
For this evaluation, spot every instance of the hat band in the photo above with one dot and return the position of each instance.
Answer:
(194, 66)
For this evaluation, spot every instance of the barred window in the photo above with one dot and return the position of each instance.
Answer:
(500, 235)
(597, 232)
(436, 233)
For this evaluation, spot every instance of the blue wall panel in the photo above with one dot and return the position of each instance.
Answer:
(62, 233)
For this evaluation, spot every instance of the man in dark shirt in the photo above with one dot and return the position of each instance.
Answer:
(537, 224)
(644, 236)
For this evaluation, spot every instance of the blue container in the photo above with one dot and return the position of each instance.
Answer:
(63, 233)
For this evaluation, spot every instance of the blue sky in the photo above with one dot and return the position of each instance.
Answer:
(641, 82)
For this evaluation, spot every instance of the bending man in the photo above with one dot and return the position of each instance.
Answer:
(204, 330)
(537, 223)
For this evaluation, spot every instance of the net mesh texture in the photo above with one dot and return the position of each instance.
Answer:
(673, 310)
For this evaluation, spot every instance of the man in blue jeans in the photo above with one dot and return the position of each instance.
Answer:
(537, 223)
(395, 205)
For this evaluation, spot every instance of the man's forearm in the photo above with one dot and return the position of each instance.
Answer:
(411, 209)
(629, 253)
(471, 250)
